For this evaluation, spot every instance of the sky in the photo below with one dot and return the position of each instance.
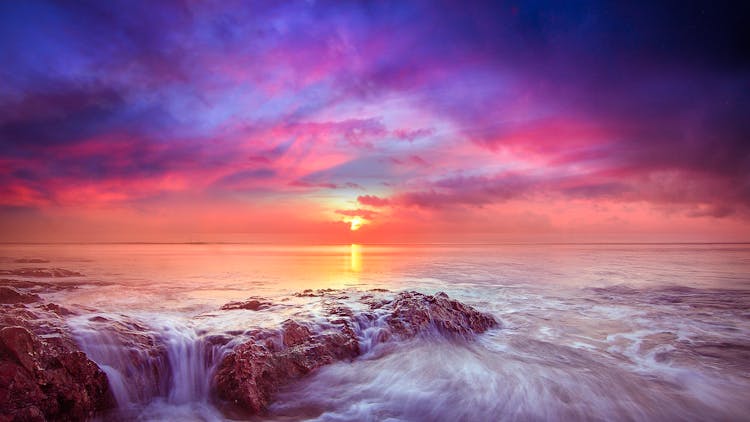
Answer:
(382, 122)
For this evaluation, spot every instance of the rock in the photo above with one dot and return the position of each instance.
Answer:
(41, 272)
(251, 304)
(10, 295)
(31, 261)
(43, 373)
(412, 313)
(44, 379)
(337, 309)
(295, 334)
(248, 377)
(316, 293)
(38, 286)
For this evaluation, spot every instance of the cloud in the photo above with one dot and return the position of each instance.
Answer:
(412, 135)
(373, 201)
(366, 214)
(453, 107)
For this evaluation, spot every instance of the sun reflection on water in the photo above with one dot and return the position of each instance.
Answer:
(356, 257)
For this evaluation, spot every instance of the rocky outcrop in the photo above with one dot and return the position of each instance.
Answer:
(41, 272)
(412, 313)
(43, 375)
(10, 295)
(251, 304)
(38, 286)
(249, 376)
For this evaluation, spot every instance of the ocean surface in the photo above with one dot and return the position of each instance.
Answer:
(587, 331)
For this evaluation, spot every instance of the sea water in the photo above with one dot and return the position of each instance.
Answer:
(587, 331)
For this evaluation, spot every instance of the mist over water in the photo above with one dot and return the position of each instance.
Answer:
(587, 332)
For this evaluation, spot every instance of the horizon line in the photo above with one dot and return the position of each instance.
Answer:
(373, 243)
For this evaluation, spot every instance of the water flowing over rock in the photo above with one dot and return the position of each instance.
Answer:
(43, 374)
(248, 377)
(58, 364)
(135, 362)
(149, 359)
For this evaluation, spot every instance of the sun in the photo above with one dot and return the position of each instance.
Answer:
(356, 222)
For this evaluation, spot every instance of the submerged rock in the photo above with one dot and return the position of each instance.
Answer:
(249, 376)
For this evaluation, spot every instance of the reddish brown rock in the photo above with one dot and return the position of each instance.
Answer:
(252, 304)
(47, 379)
(249, 376)
(43, 374)
(41, 272)
(412, 313)
(9, 295)
(315, 293)
(38, 286)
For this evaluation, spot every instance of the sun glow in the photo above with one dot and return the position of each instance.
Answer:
(356, 222)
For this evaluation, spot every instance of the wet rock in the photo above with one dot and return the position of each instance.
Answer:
(10, 295)
(337, 309)
(252, 304)
(41, 272)
(248, 377)
(315, 293)
(412, 313)
(295, 334)
(38, 286)
(306, 293)
(47, 379)
(57, 309)
(31, 261)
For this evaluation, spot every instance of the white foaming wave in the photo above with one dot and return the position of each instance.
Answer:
(523, 380)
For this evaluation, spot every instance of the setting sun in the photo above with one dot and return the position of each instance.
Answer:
(356, 222)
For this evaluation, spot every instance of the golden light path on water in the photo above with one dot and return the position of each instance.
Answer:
(356, 257)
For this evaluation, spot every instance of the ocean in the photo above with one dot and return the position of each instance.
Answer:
(586, 331)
